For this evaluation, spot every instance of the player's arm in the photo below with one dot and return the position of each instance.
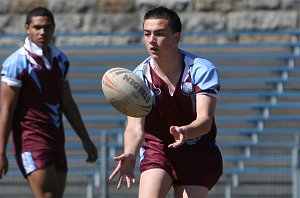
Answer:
(72, 114)
(9, 99)
(205, 108)
(133, 139)
(134, 136)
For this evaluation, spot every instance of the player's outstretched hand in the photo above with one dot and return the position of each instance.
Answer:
(126, 165)
(179, 136)
(91, 150)
(3, 165)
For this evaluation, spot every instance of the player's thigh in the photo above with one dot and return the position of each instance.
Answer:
(46, 182)
(190, 191)
(154, 183)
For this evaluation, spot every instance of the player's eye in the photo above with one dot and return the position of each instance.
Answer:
(159, 33)
(46, 27)
(146, 33)
(37, 27)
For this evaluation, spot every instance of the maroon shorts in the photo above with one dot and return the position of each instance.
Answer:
(38, 159)
(187, 165)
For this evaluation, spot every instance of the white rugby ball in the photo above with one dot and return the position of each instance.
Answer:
(126, 92)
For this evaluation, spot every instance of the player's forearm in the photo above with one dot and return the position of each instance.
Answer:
(74, 118)
(134, 135)
(198, 128)
(133, 140)
(3, 141)
(205, 107)
(71, 111)
(5, 128)
(9, 99)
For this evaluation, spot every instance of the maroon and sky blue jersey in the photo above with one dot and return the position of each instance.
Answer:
(199, 76)
(37, 121)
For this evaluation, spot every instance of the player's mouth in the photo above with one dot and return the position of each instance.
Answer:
(42, 39)
(153, 49)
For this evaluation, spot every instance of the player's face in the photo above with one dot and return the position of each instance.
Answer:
(159, 38)
(40, 30)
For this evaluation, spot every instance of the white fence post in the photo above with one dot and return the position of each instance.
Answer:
(296, 169)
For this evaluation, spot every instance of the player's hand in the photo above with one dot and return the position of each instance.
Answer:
(91, 150)
(126, 165)
(3, 165)
(179, 135)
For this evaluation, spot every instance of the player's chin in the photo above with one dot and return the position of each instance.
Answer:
(42, 42)
(154, 55)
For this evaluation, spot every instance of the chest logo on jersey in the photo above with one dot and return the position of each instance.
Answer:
(187, 88)
(157, 91)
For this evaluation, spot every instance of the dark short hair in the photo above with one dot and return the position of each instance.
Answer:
(165, 13)
(39, 11)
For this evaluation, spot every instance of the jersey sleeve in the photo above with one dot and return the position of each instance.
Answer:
(143, 70)
(138, 71)
(12, 69)
(205, 77)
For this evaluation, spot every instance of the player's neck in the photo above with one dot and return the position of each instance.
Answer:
(170, 71)
(47, 53)
(169, 65)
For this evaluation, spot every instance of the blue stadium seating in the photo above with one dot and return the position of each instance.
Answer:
(256, 113)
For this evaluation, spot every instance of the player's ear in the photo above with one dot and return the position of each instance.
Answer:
(27, 28)
(177, 36)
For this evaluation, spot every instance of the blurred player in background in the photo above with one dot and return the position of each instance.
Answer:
(176, 140)
(34, 94)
